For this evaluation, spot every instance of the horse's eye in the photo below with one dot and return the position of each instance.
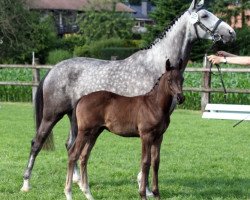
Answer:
(204, 16)
(169, 81)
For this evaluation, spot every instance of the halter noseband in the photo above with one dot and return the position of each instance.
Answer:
(215, 36)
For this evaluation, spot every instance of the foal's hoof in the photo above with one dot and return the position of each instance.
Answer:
(149, 193)
(26, 186)
(76, 178)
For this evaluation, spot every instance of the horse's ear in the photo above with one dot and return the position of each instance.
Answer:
(201, 3)
(180, 64)
(168, 65)
(193, 5)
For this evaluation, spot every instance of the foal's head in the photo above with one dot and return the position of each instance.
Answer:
(174, 81)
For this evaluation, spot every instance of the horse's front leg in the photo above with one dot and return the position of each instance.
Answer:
(155, 156)
(145, 164)
(148, 192)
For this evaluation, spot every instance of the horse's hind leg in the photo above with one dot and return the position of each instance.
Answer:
(69, 143)
(84, 184)
(74, 153)
(36, 145)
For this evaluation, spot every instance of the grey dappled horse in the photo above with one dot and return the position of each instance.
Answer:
(135, 75)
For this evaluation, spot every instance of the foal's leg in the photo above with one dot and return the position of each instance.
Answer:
(155, 156)
(74, 154)
(69, 143)
(145, 164)
(36, 145)
(148, 192)
(84, 185)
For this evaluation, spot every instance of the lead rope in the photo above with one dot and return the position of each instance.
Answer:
(222, 82)
(219, 71)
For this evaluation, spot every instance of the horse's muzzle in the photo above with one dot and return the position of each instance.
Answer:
(180, 98)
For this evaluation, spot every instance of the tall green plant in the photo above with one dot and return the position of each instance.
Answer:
(164, 13)
(103, 22)
(23, 31)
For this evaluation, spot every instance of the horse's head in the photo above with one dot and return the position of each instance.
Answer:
(204, 24)
(174, 81)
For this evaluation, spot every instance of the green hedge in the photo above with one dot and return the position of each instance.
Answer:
(119, 52)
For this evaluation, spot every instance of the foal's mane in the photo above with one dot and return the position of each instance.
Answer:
(156, 85)
(164, 32)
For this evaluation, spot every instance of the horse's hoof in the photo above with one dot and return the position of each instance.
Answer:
(149, 193)
(24, 189)
(26, 186)
(68, 195)
(76, 178)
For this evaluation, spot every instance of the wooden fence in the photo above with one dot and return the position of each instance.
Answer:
(205, 88)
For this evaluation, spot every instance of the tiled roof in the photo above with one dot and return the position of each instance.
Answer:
(76, 5)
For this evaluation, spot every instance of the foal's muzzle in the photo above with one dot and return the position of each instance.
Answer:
(180, 98)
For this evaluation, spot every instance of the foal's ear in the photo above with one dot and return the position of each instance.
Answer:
(180, 64)
(168, 65)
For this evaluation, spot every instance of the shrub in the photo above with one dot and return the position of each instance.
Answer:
(104, 49)
(69, 42)
(58, 55)
(118, 52)
(83, 51)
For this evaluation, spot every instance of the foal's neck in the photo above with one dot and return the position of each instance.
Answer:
(161, 95)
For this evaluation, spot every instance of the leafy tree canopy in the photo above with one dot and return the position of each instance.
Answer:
(105, 24)
(22, 32)
(164, 13)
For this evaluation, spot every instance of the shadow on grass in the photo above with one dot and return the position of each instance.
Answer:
(194, 188)
(207, 188)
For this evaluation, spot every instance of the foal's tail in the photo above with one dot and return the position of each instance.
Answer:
(74, 127)
(49, 143)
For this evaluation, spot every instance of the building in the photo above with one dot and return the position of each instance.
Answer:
(236, 21)
(141, 16)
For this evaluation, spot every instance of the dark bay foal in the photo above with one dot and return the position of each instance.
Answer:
(145, 116)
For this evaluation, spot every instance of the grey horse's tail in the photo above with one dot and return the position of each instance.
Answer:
(49, 143)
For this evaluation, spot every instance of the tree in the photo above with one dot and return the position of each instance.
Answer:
(101, 21)
(164, 13)
(227, 9)
(231, 8)
(22, 31)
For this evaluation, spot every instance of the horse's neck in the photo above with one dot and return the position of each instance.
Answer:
(161, 96)
(174, 45)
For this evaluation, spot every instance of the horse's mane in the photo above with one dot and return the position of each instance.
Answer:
(164, 32)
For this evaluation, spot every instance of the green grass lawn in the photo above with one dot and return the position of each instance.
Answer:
(200, 159)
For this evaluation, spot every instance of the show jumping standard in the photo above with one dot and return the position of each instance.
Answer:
(145, 116)
(135, 75)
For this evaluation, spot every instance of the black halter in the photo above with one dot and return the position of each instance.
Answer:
(215, 36)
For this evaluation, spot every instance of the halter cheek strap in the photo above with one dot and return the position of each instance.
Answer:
(215, 36)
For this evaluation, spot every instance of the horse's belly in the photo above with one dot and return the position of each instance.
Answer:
(122, 129)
